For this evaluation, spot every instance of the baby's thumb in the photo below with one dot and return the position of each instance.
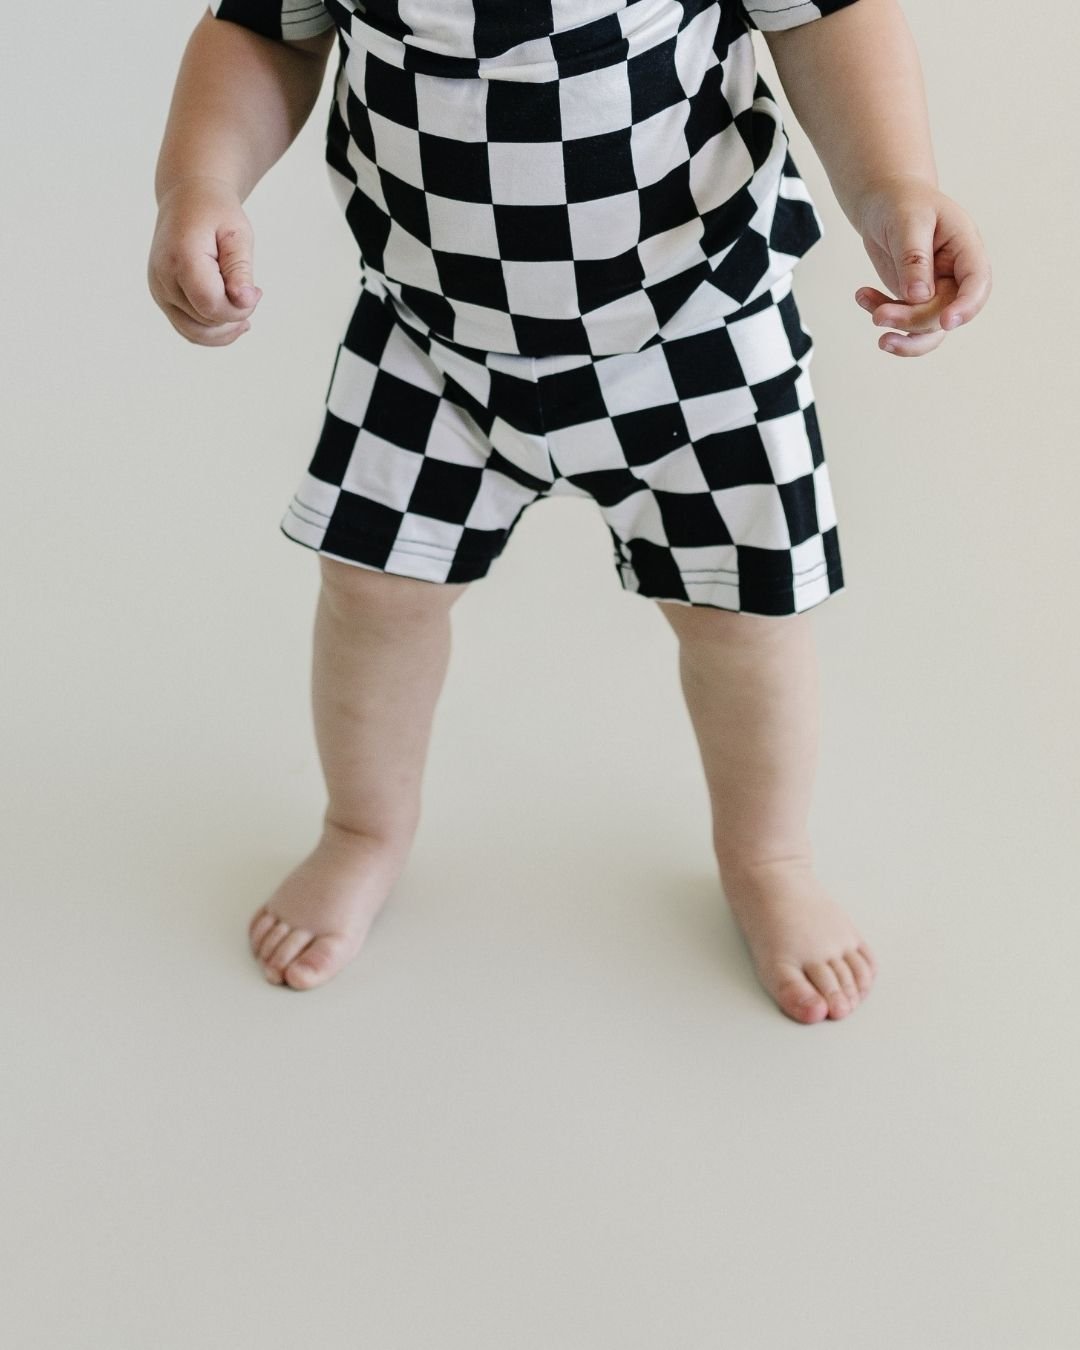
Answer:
(914, 261)
(234, 263)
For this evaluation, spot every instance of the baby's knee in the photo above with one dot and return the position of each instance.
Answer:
(707, 623)
(367, 593)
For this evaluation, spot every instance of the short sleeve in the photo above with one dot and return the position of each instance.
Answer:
(772, 15)
(280, 19)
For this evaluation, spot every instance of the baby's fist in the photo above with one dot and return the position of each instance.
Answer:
(200, 266)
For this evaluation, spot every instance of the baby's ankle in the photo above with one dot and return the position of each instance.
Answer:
(395, 840)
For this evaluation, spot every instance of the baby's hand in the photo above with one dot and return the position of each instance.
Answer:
(916, 235)
(200, 265)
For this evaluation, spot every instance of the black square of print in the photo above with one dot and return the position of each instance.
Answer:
(455, 169)
(590, 46)
(732, 458)
(445, 491)
(691, 520)
(400, 413)
(654, 81)
(362, 529)
(703, 363)
(649, 434)
(533, 233)
(333, 450)
(601, 280)
(390, 92)
(520, 110)
(800, 508)
(667, 204)
(599, 166)
(407, 206)
(462, 276)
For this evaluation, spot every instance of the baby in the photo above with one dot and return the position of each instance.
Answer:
(577, 223)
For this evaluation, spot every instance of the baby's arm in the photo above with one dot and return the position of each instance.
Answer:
(241, 98)
(854, 81)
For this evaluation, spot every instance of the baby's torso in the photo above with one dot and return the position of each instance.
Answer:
(545, 176)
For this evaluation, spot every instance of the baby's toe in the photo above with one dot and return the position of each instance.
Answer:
(271, 939)
(291, 945)
(261, 923)
(798, 998)
(861, 969)
(846, 978)
(317, 963)
(824, 979)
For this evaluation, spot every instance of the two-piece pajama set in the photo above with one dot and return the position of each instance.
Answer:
(577, 224)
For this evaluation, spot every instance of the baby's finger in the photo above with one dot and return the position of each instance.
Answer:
(201, 291)
(972, 269)
(899, 314)
(916, 319)
(911, 344)
(869, 297)
(921, 318)
(204, 335)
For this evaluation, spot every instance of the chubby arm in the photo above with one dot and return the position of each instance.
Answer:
(852, 75)
(240, 100)
(246, 86)
(854, 82)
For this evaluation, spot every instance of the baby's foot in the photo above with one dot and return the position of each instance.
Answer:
(317, 919)
(807, 953)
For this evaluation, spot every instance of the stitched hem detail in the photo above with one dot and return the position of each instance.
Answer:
(420, 547)
(726, 576)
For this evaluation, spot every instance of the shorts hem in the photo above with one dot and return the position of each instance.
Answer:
(459, 568)
(441, 552)
(833, 577)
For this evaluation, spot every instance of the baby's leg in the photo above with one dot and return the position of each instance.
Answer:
(381, 651)
(750, 682)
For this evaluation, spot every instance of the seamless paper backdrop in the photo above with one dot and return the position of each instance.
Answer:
(548, 1107)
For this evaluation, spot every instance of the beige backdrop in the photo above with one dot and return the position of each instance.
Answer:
(548, 1108)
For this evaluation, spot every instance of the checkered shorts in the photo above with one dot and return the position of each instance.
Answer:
(702, 451)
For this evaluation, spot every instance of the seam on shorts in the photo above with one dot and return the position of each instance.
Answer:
(467, 551)
(312, 510)
(833, 573)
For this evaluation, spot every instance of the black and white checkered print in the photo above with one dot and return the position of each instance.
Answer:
(702, 452)
(558, 176)
(577, 222)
